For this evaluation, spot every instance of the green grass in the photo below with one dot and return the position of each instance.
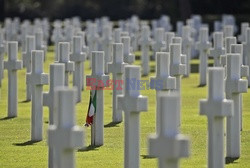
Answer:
(16, 151)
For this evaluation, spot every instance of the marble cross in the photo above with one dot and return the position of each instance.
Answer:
(218, 49)
(203, 45)
(78, 57)
(168, 145)
(37, 79)
(216, 108)
(132, 103)
(64, 136)
(64, 48)
(234, 87)
(187, 43)
(145, 42)
(97, 81)
(116, 67)
(162, 82)
(129, 57)
(12, 65)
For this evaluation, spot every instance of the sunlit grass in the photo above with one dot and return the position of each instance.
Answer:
(17, 152)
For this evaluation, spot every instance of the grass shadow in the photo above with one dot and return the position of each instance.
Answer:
(112, 124)
(143, 75)
(27, 143)
(88, 148)
(152, 69)
(201, 85)
(46, 122)
(25, 101)
(230, 160)
(6, 118)
(147, 157)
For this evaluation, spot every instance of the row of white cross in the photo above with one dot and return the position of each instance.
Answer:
(171, 65)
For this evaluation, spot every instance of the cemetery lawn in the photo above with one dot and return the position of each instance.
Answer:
(17, 151)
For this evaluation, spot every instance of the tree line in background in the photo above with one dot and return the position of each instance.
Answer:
(120, 9)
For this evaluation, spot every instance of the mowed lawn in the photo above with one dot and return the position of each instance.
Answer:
(17, 151)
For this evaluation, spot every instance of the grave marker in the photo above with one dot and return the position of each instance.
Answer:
(132, 103)
(216, 108)
(78, 57)
(187, 43)
(12, 65)
(163, 79)
(64, 136)
(168, 145)
(30, 45)
(97, 81)
(117, 35)
(244, 71)
(2, 51)
(39, 43)
(203, 46)
(37, 79)
(246, 52)
(158, 43)
(234, 87)
(177, 68)
(218, 48)
(242, 36)
(168, 40)
(129, 57)
(92, 39)
(106, 43)
(145, 42)
(64, 58)
(117, 70)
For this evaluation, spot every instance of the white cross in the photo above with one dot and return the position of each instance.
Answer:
(234, 87)
(106, 43)
(244, 71)
(37, 79)
(203, 45)
(228, 42)
(132, 103)
(64, 136)
(168, 39)
(85, 49)
(242, 36)
(30, 45)
(57, 73)
(228, 31)
(57, 37)
(92, 39)
(246, 52)
(158, 44)
(97, 81)
(162, 81)
(2, 51)
(39, 42)
(178, 40)
(177, 68)
(168, 145)
(78, 57)
(117, 35)
(63, 48)
(218, 48)
(187, 43)
(12, 65)
(145, 42)
(116, 67)
(129, 57)
(216, 107)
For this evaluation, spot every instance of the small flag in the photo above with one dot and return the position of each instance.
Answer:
(91, 109)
